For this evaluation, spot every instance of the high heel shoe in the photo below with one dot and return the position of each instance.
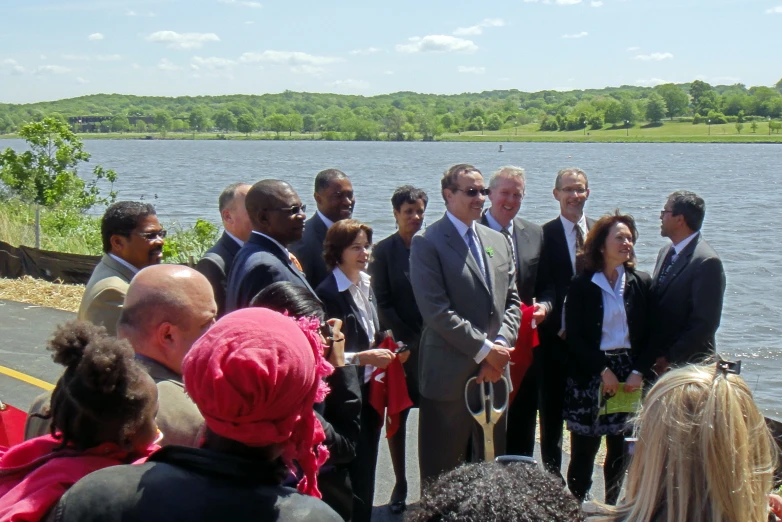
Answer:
(398, 497)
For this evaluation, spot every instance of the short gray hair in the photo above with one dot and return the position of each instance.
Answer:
(570, 170)
(228, 194)
(512, 172)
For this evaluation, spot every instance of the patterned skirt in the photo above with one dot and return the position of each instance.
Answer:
(582, 401)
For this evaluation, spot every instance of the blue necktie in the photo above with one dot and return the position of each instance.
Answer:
(472, 242)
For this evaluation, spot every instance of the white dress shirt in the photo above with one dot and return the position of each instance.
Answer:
(570, 235)
(360, 295)
(495, 225)
(325, 220)
(124, 263)
(616, 332)
(681, 245)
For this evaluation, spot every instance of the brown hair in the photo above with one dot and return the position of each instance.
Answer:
(596, 240)
(340, 236)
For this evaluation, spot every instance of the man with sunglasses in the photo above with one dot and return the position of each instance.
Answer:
(464, 281)
(277, 216)
(132, 240)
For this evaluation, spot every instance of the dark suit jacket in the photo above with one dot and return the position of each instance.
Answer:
(258, 264)
(584, 318)
(309, 251)
(554, 276)
(687, 306)
(340, 305)
(216, 264)
(528, 241)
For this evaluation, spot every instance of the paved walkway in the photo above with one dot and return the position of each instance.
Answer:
(26, 368)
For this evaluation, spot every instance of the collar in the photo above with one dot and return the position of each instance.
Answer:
(461, 227)
(343, 283)
(600, 279)
(326, 221)
(239, 241)
(582, 223)
(157, 370)
(495, 225)
(681, 245)
(124, 263)
(284, 250)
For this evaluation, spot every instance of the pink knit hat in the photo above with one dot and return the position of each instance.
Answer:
(255, 376)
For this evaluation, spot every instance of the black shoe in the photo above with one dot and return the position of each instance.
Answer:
(398, 506)
(398, 497)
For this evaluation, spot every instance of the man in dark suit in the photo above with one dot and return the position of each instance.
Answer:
(560, 260)
(335, 200)
(464, 282)
(506, 191)
(277, 217)
(688, 286)
(217, 261)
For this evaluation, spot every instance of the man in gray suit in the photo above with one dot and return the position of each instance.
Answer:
(464, 281)
(688, 286)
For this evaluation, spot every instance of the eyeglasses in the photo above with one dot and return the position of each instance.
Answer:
(151, 236)
(472, 192)
(663, 212)
(580, 191)
(295, 210)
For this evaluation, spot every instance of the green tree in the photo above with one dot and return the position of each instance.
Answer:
(141, 126)
(198, 119)
(293, 123)
(309, 123)
(276, 123)
(246, 123)
(494, 123)
(446, 120)
(225, 120)
(628, 111)
(477, 124)
(779, 85)
(613, 112)
(46, 174)
(394, 121)
(708, 102)
(676, 100)
(698, 89)
(163, 121)
(428, 125)
(119, 123)
(754, 127)
(739, 126)
(655, 108)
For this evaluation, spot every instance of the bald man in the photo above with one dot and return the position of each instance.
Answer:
(167, 308)
(277, 217)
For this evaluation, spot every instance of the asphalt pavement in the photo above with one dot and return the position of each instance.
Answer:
(25, 329)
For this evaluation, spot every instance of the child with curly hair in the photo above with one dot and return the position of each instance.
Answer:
(103, 413)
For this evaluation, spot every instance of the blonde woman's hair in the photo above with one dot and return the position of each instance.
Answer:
(704, 453)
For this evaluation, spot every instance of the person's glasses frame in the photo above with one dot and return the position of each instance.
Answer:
(151, 236)
(473, 192)
(574, 190)
(663, 212)
(293, 210)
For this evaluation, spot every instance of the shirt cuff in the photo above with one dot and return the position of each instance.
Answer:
(351, 358)
(501, 340)
(484, 351)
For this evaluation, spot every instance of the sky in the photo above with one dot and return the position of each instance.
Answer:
(61, 49)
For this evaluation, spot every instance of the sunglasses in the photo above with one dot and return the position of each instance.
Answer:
(295, 210)
(151, 236)
(472, 192)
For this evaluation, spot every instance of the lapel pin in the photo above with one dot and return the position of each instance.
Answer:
(490, 252)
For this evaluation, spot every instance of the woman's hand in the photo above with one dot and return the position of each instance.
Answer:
(775, 503)
(610, 382)
(404, 356)
(337, 354)
(634, 382)
(377, 357)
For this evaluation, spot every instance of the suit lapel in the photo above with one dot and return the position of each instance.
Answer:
(682, 261)
(350, 306)
(485, 243)
(522, 244)
(279, 254)
(660, 258)
(456, 242)
(562, 246)
(125, 272)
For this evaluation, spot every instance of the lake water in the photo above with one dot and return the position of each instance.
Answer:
(738, 182)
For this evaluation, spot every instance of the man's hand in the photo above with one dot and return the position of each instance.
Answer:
(377, 357)
(404, 356)
(539, 314)
(498, 356)
(488, 373)
(661, 366)
(337, 354)
(634, 382)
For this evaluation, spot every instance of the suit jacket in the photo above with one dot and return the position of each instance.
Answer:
(459, 308)
(687, 306)
(258, 264)
(340, 305)
(390, 270)
(104, 295)
(216, 264)
(556, 272)
(584, 318)
(309, 251)
(528, 241)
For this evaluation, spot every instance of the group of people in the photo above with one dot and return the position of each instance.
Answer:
(262, 358)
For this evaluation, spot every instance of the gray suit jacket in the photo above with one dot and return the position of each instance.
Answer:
(105, 294)
(687, 306)
(460, 311)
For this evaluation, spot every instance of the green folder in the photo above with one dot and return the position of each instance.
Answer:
(621, 402)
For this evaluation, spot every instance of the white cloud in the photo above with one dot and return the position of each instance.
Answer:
(13, 66)
(128, 12)
(436, 43)
(54, 69)
(651, 82)
(368, 50)
(9, 61)
(166, 65)
(76, 57)
(576, 35)
(351, 84)
(654, 57)
(478, 28)
(388, 73)
(471, 69)
(135, 66)
(212, 62)
(249, 22)
(294, 58)
(81, 80)
(567, 2)
(108, 57)
(176, 40)
(254, 5)
(529, 1)
(42, 57)
(86, 58)
(307, 69)
(631, 49)
(95, 37)
(596, 4)
(775, 10)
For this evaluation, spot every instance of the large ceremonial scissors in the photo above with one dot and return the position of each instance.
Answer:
(487, 414)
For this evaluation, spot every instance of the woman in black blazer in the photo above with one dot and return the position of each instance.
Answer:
(346, 294)
(396, 306)
(606, 318)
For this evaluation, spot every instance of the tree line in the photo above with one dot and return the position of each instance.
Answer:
(407, 115)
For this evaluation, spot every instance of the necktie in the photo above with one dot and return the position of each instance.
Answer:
(295, 262)
(472, 242)
(579, 249)
(667, 264)
(505, 232)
